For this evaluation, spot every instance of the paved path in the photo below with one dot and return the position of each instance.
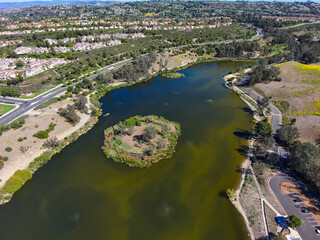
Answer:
(308, 226)
(299, 25)
(276, 120)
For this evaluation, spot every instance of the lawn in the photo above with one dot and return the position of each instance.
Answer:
(4, 108)
(35, 94)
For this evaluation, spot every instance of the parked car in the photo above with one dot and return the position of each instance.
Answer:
(318, 230)
(304, 210)
(297, 200)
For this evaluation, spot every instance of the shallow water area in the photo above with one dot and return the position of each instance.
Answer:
(81, 194)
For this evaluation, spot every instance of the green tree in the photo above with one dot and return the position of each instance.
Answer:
(19, 64)
(263, 128)
(287, 134)
(231, 193)
(293, 221)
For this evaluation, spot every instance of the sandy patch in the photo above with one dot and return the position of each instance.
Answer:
(288, 188)
(23, 152)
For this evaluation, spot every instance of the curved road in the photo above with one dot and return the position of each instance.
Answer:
(309, 224)
(25, 106)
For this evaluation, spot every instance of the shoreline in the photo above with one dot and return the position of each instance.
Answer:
(94, 96)
(245, 164)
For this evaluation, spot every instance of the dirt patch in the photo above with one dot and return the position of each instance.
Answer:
(300, 88)
(250, 201)
(288, 188)
(273, 227)
(29, 147)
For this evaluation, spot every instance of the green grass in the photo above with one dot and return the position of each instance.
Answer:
(4, 108)
(16, 181)
(35, 94)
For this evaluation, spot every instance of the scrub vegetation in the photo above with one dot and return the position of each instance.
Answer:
(140, 141)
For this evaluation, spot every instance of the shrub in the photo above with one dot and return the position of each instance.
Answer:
(5, 158)
(16, 181)
(41, 135)
(293, 221)
(20, 139)
(8, 149)
(51, 143)
(1, 164)
(231, 193)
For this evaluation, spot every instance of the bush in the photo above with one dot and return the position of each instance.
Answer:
(16, 181)
(20, 139)
(8, 149)
(293, 221)
(51, 143)
(1, 164)
(41, 135)
(231, 193)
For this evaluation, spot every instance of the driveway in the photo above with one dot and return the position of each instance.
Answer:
(308, 226)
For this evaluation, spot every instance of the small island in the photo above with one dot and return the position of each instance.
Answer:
(175, 75)
(141, 141)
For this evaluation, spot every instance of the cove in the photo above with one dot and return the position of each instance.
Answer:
(80, 194)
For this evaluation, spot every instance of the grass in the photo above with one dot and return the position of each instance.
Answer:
(281, 64)
(35, 94)
(278, 48)
(16, 181)
(301, 92)
(4, 108)
(311, 72)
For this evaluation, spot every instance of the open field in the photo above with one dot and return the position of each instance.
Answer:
(4, 108)
(298, 96)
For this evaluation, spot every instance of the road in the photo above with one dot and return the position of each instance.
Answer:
(26, 105)
(276, 120)
(299, 25)
(308, 226)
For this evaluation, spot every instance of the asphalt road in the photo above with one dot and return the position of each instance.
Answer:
(276, 114)
(299, 25)
(309, 224)
(27, 105)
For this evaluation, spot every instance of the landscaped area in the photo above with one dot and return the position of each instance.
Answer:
(140, 141)
(4, 108)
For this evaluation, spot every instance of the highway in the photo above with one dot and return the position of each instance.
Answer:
(26, 105)
(309, 224)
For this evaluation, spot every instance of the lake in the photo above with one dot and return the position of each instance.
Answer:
(81, 194)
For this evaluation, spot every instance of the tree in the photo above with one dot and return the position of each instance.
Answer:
(148, 134)
(10, 92)
(268, 142)
(304, 158)
(293, 221)
(264, 128)
(69, 114)
(81, 103)
(263, 103)
(231, 193)
(51, 143)
(19, 64)
(287, 134)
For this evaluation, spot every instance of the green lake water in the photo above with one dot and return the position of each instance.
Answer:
(80, 194)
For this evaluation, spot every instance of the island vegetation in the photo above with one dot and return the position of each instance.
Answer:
(141, 141)
(174, 75)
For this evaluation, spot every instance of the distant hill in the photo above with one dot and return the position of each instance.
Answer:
(4, 5)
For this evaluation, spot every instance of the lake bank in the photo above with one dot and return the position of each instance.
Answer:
(183, 192)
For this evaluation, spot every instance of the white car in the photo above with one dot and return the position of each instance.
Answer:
(318, 230)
